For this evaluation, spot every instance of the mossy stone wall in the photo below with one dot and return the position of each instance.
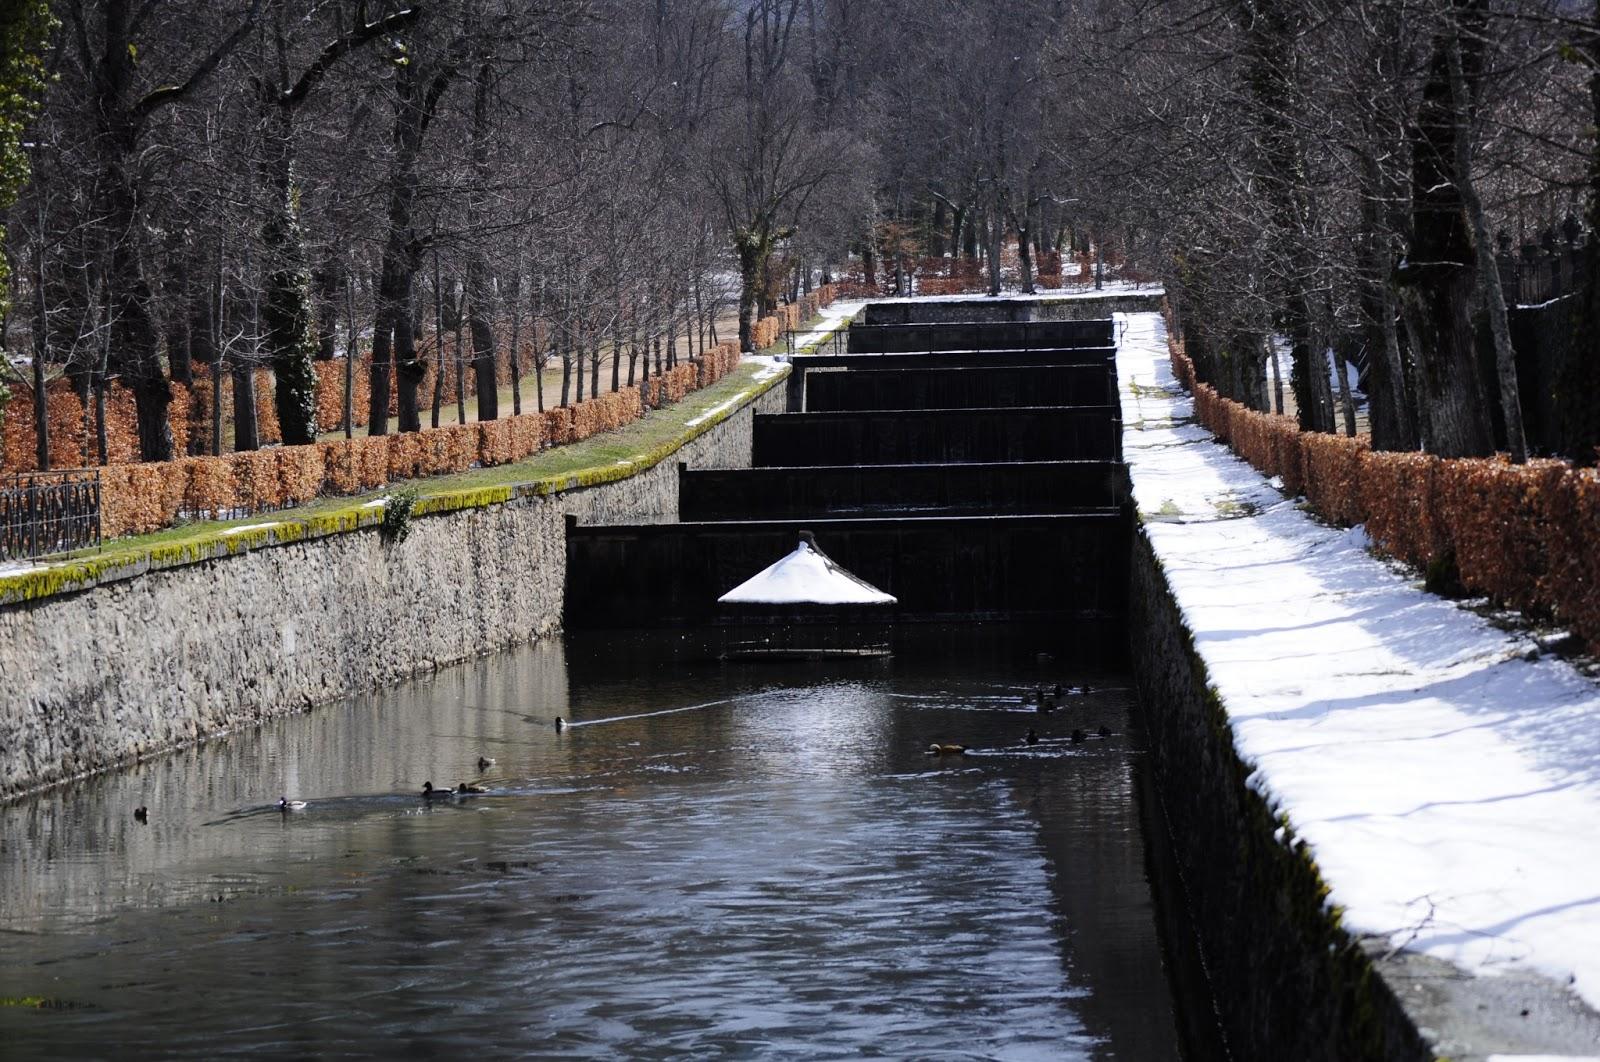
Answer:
(275, 620)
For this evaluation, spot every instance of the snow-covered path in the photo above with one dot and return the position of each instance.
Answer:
(1446, 778)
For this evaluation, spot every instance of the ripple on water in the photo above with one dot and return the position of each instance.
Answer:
(782, 873)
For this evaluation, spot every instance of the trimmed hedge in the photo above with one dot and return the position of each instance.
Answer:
(1522, 535)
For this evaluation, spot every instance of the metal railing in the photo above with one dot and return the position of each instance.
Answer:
(49, 512)
(1549, 268)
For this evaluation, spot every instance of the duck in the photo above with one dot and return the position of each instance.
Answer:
(1104, 731)
(1078, 735)
(1033, 736)
(1046, 706)
(937, 749)
(1058, 690)
(485, 762)
(430, 793)
(469, 789)
(561, 724)
(285, 804)
(141, 814)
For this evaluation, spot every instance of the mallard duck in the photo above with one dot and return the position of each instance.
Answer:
(430, 793)
(1078, 735)
(469, 789)
(936, 749)
(141, 813)
(1033, 737)
(485, 762)
(560, 724)
(285, 804)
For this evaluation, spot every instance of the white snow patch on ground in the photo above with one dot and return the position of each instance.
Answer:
(1544, 1058)
(1112, 287)
(719, 407)
(242, 528)
(1448, 787)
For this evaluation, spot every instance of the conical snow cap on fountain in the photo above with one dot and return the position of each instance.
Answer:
(805, 577)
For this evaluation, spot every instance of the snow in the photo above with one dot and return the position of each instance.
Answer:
(242, 528)
(1446, 778)
(1543, 1058)
(806, 576)
(718, 408)
(1111, 288)
(833, 317)
(1352, 374)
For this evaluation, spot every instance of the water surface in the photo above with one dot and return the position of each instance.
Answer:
(715, 860)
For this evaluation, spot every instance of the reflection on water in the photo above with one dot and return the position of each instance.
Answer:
(782, 870)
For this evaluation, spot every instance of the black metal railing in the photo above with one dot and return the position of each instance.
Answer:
(49, 512)
(1549, 268)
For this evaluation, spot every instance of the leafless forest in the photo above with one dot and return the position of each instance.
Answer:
(207, 188)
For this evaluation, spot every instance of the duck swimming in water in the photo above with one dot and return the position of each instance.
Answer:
(430, 793)
(936, 749)
(468, 789)
(560, 724)
(141, 813)
(1104, 731)
(485, 762)
(285, 804)
(1078, 735)
(1033, 736)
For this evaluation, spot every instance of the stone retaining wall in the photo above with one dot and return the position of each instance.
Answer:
(1288, 981)
(143, 664)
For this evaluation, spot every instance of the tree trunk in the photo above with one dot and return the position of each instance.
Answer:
(1578, 393)
(325, 282)
(1505, 358)
(1277, 375)
(286, 307)
(753, 251)
(245, 433)
(1438, 282)
(350, 360)
(513, 356)
(1388, 397)
(480, 290)
(996, 236)
(1025, 253)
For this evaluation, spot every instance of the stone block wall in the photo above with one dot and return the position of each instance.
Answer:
(94, 679)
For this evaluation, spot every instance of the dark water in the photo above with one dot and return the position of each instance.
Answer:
(782, 871)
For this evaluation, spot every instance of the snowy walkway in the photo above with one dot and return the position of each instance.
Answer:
(1447, 781)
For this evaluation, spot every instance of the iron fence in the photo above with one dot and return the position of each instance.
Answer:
(49, 512)
(1545, 269)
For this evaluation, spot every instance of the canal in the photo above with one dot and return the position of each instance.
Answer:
(712, 860)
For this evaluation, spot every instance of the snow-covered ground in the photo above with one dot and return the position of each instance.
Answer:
(1445, 775)
(1112, 287)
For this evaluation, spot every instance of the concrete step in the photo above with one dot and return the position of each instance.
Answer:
(974, 489)
(941, 569)
(965, 388)
(1083, 433)
(980, 335)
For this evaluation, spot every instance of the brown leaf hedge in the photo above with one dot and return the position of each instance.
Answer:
(137, 498)
(1522, 535)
